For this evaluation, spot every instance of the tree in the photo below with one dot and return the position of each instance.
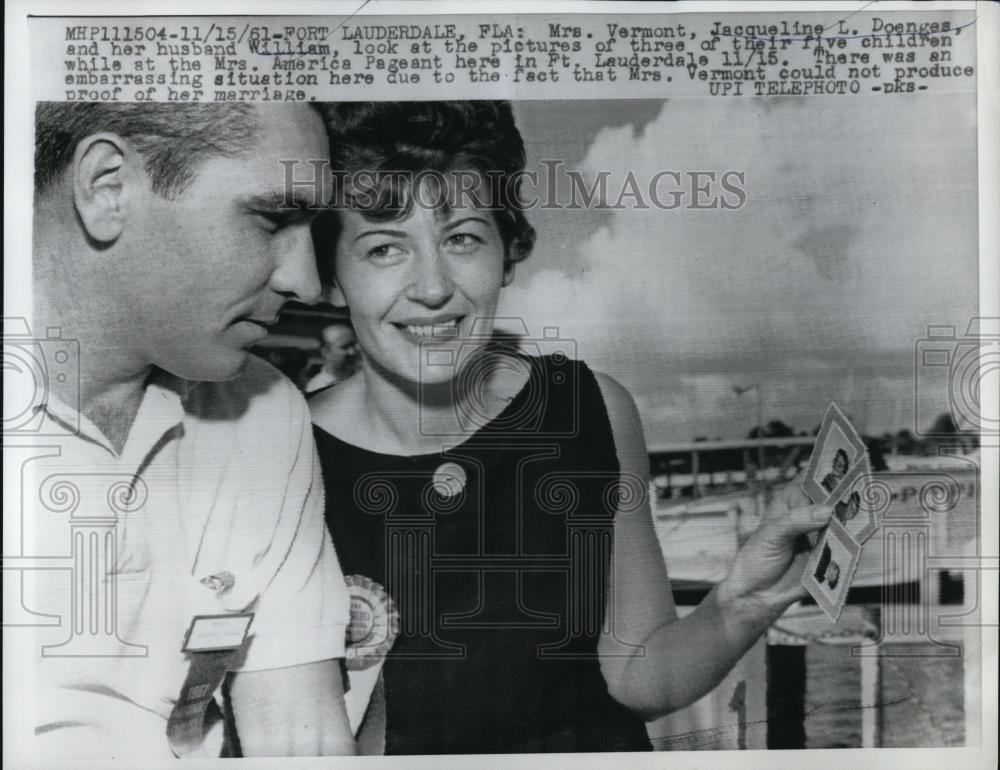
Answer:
(947, 432)
(773, 429)
(906, 443)
(876, 453)
(778, 429)
(944, 424)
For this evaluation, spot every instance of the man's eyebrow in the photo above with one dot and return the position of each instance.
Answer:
(281, 201)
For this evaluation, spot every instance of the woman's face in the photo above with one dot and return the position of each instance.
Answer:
(840, 464)
(833, 575)
(416, 286)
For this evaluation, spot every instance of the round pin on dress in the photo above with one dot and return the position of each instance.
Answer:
(449, 479)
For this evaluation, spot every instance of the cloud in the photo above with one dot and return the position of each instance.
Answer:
(859, 229)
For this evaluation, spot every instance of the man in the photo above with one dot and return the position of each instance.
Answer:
(164, 244)
(339, 351)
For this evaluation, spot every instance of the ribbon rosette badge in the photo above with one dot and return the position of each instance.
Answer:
(374, 623)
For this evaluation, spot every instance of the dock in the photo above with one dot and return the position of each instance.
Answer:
(899, 668)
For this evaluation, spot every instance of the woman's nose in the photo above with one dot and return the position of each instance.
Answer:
(431, 284)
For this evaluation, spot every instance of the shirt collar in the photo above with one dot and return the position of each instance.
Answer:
(161, 409)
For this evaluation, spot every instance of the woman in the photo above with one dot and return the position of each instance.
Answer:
(827, 570)
(844, 510)
(498, 500)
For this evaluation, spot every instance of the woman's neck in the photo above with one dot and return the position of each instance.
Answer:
(409, 418)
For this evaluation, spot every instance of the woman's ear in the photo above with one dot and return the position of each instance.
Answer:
(335, 296)
(508, 274)
(99, 190)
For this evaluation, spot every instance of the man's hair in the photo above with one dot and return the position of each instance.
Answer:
(173, 139)
(393, 143)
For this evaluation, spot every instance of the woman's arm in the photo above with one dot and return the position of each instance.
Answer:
(678, 661)
(291, 712)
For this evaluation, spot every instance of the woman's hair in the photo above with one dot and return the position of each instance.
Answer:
(823, 563)
(379, 149)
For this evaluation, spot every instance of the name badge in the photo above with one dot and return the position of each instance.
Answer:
(209, 633)
(213, 642)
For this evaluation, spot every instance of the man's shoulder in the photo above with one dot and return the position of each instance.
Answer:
(259, 394)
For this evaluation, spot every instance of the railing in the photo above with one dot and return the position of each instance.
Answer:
(691, 469)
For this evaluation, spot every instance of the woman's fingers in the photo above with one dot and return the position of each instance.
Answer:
(808, 518)
(785, 500)
(800, 520)
(789, 589)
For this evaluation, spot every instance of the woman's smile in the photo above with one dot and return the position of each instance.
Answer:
(433, 328)
(429, 277)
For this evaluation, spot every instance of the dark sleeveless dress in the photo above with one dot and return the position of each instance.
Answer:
(500, 584)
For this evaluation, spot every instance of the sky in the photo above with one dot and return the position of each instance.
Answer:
(859, 229)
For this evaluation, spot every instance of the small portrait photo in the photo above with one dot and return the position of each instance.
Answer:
(847, 507)
(830, 569)
(860, 510)
(838, 459)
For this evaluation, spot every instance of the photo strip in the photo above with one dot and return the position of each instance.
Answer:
(837, 461)
(831, 568)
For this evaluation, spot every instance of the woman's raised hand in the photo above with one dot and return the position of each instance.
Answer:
(768, 568)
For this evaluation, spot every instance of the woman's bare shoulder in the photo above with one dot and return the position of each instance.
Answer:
(336, 408)
(626, 425)
(618, 401)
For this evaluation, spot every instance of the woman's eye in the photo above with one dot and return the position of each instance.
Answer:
(464, 242)
(384, 252)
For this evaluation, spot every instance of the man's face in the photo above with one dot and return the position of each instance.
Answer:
(339, 350)
(207, 273)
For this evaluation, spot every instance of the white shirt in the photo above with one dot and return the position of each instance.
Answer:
(228, 482)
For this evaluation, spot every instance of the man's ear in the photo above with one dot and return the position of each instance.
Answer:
(99, 192)
(508, 274)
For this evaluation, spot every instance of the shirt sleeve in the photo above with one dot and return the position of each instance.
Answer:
(302, 609)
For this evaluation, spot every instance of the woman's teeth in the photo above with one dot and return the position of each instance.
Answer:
(445, 328)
